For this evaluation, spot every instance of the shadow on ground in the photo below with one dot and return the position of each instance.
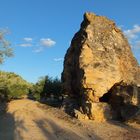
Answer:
(54, 131)
(130, 131)
(8, 125)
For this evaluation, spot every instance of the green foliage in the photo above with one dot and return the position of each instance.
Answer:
(52, 87)
(5, 50)
(12, 86)
(37, 89)
(47, 86)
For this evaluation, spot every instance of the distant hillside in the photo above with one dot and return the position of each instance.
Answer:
(12, 86)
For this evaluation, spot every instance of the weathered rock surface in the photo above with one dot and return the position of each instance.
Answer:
(100, 67)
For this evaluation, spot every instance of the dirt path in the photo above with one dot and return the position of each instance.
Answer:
(29, 120)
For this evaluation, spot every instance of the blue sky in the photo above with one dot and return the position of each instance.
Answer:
(41, 30)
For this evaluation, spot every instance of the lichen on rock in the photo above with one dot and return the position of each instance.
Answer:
(98, 62)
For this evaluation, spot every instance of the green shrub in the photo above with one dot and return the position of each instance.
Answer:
(47, 86)
(12, 86)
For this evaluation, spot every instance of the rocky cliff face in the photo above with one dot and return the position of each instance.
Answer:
(101, 75)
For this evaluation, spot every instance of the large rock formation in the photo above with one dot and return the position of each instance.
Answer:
(101, 75)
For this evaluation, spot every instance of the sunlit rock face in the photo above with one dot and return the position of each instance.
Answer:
(101, 75)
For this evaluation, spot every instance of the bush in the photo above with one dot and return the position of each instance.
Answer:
(46, 88)
(12, 86)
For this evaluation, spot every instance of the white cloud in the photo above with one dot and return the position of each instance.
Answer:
(27, 42)
(39, 45)
(47, 42)
(120, 27)
(58, 59)
(133, 36)
(132, 33)
(28, 39)
(137, 44)
(25, 45)
(38, 50)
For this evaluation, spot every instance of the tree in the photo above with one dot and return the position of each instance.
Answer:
(37, 88)
(47, 86)
(12, 86)
(5, 50)
(51, 87)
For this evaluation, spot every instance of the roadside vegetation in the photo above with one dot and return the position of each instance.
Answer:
(12, 86)
(47, 90)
